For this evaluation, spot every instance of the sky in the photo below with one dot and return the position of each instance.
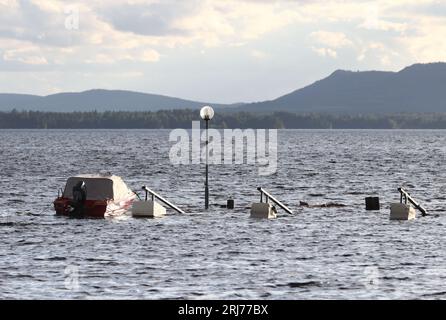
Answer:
(220, 51)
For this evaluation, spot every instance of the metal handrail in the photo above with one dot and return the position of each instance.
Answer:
(157, 196)
(269, 196)
(407, 197)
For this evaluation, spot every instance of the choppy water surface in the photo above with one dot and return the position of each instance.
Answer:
(317, 253)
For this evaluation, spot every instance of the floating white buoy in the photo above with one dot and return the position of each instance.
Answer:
(263, 211)
(401, 211)
(149, 209)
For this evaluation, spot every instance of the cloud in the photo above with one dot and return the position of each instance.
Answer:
(378, 51)
(210, 23)
(150, 55)
(26, 55)
(328, 42)
(167, 36)
(34, 22)
(428, 43)
(151, 19)
(373, 21)
(331, 39)
(325, 52)
(259, 55)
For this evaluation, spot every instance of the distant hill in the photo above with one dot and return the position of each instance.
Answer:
(99, 100)
(418, 88)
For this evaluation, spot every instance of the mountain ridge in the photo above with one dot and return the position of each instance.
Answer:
(98, 100)
(416, 88)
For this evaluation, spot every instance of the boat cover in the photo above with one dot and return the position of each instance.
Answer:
(99, 187)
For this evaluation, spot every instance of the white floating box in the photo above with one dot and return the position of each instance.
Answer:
(150, 209)
(401, 211)
(263, 211)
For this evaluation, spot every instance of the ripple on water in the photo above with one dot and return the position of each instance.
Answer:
(331, 252)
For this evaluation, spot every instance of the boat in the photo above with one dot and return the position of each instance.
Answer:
(96, 196)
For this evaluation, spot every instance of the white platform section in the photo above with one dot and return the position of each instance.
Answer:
(263, 211)
(150, 209)
(401, 211)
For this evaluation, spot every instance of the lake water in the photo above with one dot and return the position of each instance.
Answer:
(317, 253)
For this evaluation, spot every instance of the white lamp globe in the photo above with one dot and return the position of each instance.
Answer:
(206, 113)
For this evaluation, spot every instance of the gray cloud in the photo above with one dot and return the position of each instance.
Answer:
(154, 19)
(226, 37)
(30, 23)
(437, 9)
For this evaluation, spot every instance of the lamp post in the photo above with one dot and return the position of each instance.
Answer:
(206, 113)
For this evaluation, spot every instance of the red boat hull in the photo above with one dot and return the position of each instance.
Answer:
(94, 208)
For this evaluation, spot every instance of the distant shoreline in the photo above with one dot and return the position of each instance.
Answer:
(171, 119)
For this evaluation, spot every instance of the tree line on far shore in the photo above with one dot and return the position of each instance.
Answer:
(169, 119)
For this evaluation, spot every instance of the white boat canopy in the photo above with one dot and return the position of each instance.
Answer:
(99, 187)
